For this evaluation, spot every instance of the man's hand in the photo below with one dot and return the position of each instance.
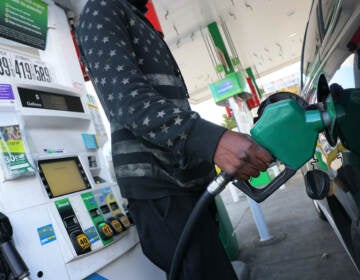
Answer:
(239, 155)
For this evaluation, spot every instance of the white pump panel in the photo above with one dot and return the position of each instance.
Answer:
(65, 207)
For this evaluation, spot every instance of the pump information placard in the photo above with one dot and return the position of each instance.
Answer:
(12, 153)
(19, 67)
(233, 84)
(24, 21)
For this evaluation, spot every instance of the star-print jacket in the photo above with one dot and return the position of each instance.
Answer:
(159, 146)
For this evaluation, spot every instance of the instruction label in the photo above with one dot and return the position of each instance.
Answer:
(24, 21)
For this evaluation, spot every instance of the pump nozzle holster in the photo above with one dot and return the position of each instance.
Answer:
(8, 251)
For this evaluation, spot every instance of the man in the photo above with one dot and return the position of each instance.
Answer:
(163, 152)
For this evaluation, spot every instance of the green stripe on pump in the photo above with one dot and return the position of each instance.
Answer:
(219, 44)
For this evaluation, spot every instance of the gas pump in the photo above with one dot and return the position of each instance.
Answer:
(62, 214)
(63, 207)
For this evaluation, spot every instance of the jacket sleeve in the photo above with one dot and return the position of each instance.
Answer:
(129, 100)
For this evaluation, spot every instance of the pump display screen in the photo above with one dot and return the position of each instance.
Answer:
(39, 99)
(63, 176)
(55, 102)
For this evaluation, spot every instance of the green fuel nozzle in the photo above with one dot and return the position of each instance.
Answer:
(288, 128)
(289, 131)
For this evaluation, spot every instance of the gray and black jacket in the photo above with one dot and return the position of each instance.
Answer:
(159, 145)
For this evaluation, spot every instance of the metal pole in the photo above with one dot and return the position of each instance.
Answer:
(259, 220)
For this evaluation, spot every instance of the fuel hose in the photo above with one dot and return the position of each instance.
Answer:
(214, 188)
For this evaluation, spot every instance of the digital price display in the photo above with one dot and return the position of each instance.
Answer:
(12, 66)
(39, 99)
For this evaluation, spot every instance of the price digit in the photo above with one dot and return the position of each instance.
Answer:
(17, 69)
(47, 74)
(37, 72)
(28, 70)
(22, 68)
(5, 63)
(42, 74)
(2, 72)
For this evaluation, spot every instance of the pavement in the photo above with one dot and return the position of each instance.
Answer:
(306, 247)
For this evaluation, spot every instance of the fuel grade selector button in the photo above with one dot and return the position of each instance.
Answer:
(80, 242)
(124, 221)
(105, 230)
(116, 225)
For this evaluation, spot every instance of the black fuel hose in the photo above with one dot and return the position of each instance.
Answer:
(214, 188)
(184, 240)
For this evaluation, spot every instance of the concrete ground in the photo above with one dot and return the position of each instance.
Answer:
(310, 249)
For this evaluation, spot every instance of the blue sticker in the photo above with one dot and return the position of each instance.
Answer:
(92, 201)
(89, 141)
(106, 190)
(101, 195)
(92, 234)
(46, 234)
(95, 277)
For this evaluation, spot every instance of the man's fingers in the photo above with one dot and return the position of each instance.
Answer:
(263, 155)
(259, 156)
(240, 156)
(258, 163)
(246, 172)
